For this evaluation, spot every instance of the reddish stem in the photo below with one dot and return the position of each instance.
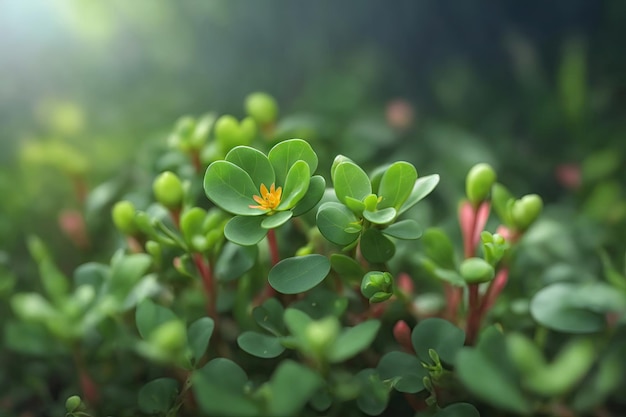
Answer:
(495, 288)
(195, 161)
(89, 388)
(209, 286)
(273, 244)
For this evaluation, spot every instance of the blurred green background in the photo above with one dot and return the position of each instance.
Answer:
(527, 86)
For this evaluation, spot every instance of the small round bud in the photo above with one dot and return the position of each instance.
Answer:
(377, 286)
(168, 190)
(478, 182)
(73, 403)
(123, 214)
(170, 337)
(526, 210)
(322, 333)
(476, 270)
(262, 108)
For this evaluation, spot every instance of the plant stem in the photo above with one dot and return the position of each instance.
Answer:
(88, 387)
(209, 285)
(273, 244)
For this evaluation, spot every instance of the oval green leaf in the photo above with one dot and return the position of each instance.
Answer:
(353, 340)
(404, 229)
(235, 260)
(231, 188)
(315, 192)
(254, 163)
(198, 336)
(554, 307)
(260, 345)
(299, 274)
(276, 219)
(459, 410)
(284, 154)
(422, 187)
(157, 396)
(245, 231)
(438, 334)
(375, 247)
(296, 185)
(351, 181)
(397, 184)
(149, 316)
(332, 220)
(405, 370)
(384, 216)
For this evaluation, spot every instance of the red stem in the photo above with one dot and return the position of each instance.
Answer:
(273, 244)
(195, 160)
(209, 285)
(495, 288)
(89, 388)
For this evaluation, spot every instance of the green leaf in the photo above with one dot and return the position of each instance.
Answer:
(422, 187)
(32, 339)
(500, 201)
(484, 379)
(384, 216)
(149, 316)
(348, 268)
(126, 271)
(458, 410)
(296, 185)
(254, 163)
(405, 370)
(299, 274)
(375, 247)
(260, 345)
(332, 220)
(276, 220)
(231, 188)
(353, 340)
(157, 396)
(284, 154)
(198, 336)
(320, 303)
(438, 334)
(351, 181)
(91, 273)
(297, 322)
(270, 316)
(397, 184)
(315, 192)
(245, 231)
(234, 261)
(404, 229)
(374, 394)
(439, 248)
(556, 308)
(191, 222)
(289, 397)
(219, 389)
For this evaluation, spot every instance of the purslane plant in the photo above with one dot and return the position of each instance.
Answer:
(250, 288)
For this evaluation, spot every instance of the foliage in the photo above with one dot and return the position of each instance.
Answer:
(249, 282)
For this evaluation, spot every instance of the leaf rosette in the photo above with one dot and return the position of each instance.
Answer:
(264, 191)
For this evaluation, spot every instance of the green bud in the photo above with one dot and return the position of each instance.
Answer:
(377, 286)
(73, 403)
(123, 214)
(478, 182)
(230, 133)
(371, 201)
(476, 270)
(201, 132)
(168, 190)
(155, 250)
(262, 107)
(170, 337)
(199, 243)
(322, 333)
(185, 126)
(526, 210)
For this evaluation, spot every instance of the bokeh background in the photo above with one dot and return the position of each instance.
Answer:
(535, 88)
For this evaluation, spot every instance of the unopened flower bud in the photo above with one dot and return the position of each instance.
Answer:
(478, 183)
(170, 337)
(168, 190)
(123, 214)
(476, 270)
(262, 108)
(526, 210)
(322, 333)
(377, 286)
(73, 403)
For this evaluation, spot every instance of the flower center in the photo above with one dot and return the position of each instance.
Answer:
(268, 200)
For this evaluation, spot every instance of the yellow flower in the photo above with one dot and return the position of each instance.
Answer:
(269, 200)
